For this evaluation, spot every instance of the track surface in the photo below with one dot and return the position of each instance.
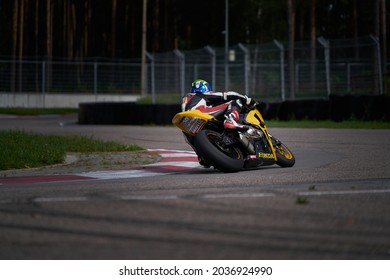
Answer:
(333, 204)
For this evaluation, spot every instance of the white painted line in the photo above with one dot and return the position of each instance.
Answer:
(119, 174)
(59, 199)
(179, 155)
(176, 163)
(207, 196)
(170, 151)
(124, 174)
(238, 195)
(148, 197)
(315, 193)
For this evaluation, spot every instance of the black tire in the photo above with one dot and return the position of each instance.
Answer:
(284, 156)
(206, 145)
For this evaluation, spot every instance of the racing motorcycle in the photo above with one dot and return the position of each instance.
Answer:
(230, 150)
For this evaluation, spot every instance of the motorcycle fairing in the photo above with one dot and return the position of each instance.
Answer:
(191, 121)
(255, 118)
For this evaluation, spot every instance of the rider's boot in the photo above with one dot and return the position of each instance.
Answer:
(231, 121)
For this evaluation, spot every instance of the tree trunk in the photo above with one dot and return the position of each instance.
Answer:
(64, 27)
(49, 43)
(377, 32)
(313, 45)
(20, 55)
(113, 28)
(14, 41)
(71, 29)
(143, 47)
(36, 38)
(355, 28)
(291, 43)
(155, 23)
(384, 44)
(87, 22)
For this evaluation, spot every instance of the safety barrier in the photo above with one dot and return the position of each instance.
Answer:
(336, 108)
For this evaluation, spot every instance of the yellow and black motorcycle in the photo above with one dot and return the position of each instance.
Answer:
(233, 150)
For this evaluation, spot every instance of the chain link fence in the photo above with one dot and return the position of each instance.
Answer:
(332, 67)
(50, 76)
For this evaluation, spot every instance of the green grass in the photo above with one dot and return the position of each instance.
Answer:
(20, 149)
(301, 200)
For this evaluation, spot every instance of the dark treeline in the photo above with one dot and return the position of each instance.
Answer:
(113, 28)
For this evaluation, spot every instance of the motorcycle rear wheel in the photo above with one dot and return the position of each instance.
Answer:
(226, 160)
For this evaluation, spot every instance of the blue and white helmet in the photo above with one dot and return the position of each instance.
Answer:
(200, 86)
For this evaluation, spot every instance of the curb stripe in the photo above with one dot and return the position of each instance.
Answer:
(171, 161)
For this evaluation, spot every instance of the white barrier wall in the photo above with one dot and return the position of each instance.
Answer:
(63, 100)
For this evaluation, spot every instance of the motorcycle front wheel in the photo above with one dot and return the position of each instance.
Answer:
(284, 157)
(209, 146)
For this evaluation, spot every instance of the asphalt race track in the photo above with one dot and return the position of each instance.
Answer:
(333, 204)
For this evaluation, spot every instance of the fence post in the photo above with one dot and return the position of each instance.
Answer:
(181, 58)
(213, 64)
(246, 66)
(349, 88)
(95, 77)
(226, 32)
(152, 78)
(282, 74)
(325, 44)
(297, 69)
(379, 59)
(43, 76)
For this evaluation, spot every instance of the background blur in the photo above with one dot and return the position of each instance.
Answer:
(274, 50)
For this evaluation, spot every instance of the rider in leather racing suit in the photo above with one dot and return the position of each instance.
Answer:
(218, 104)
(204, 99)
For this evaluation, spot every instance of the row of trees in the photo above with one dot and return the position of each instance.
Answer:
(353, 17)
(113, 28)
(70, 29)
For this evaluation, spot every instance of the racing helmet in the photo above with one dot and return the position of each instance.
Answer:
(200, 85)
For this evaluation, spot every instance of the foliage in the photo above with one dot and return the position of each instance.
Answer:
(19, 149)
(172, 24)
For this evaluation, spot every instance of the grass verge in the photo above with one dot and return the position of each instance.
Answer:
(20, 149)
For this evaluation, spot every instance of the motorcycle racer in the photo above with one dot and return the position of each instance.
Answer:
(229, 103)
(219, 104)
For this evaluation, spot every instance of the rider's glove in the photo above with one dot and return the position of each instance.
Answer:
(250, 102)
